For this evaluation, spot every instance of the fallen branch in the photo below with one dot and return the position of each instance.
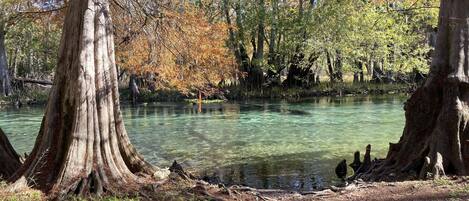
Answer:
(33, 81)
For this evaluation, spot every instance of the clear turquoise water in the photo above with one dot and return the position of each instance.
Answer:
(264, 144)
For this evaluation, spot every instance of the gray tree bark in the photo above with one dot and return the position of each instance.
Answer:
(133, 87)
(273, 34)
(5, 85)
(82, 147)
(259, 55)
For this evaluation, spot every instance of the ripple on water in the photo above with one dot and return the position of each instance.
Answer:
(262, 144)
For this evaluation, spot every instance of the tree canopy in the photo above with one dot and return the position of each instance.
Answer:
(193, 46)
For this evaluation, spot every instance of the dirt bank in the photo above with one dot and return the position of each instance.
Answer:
(456, 188)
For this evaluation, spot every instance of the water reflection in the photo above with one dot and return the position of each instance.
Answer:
(303, 171)
(266, 144)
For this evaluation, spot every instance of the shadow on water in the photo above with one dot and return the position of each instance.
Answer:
(298, 172)
(263, 144)
(274, 108)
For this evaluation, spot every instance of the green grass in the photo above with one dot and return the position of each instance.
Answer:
(26, 195)
(460, 191)
(443, 181)
(457, 189)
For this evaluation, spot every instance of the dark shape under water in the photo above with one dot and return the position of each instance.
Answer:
(274, 108)
(298, 112)
(289, 111)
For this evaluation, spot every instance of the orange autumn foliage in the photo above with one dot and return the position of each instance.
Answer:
(181, 50)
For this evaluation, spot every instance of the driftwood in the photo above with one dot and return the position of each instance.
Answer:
(9, 159)
(33, 81)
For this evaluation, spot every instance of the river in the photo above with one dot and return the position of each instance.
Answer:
(263, 144)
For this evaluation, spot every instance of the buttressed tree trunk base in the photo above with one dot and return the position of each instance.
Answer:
(435, 140)
(82, 147)
(10, 160)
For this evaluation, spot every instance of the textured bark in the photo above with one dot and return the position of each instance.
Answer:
(273, 34)
(435, 140)
(244, 60)
(134, 92)
(301, 76)
(260, 32)
(338, 67)
(255, 74)
(5, 85)
(232, 38)
(330, 68)
(82, 146)
(358, 76)
(376, 73)
(10, 159)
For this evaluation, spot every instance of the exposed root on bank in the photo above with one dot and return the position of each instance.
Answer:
(435, 141)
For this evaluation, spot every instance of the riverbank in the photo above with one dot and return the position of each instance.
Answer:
(176, 188)
(35, 97)
(322, 90)
(236, 93)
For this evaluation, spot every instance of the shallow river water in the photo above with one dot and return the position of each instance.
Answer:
(263, 144)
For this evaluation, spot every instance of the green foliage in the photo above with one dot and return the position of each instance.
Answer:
(32, 46)
(323, 89)
(394, 33)
(25, 195)
(364, 31)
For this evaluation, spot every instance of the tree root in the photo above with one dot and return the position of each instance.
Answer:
(435, 139)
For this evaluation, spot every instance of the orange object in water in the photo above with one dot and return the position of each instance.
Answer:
(200, 102)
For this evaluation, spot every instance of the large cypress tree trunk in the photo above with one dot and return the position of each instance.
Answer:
(82, 146)
(10, 160)
(5, 85)
(435, 140)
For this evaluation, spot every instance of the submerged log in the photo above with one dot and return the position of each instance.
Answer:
(10, 160)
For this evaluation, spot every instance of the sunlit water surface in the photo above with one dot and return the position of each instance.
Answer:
(264, 144)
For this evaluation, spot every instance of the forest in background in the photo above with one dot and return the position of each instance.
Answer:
(83, 149)
(217, 47)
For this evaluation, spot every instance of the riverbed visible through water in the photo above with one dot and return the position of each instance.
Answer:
(262, 144)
